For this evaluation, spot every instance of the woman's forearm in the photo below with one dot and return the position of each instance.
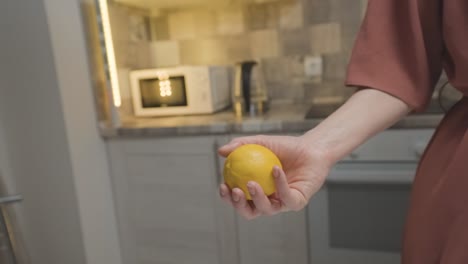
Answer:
(366, 113)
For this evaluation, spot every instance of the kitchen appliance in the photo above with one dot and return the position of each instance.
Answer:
(249, 93)
(359, 214)
(12, 250)
(183, 90)
(9, 248)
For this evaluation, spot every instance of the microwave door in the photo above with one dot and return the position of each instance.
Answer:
(157, 93)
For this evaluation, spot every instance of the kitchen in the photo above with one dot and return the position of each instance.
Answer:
(120, 184)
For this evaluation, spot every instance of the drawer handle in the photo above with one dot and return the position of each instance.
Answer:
(218, 175)
(419, 149)
(354, 155)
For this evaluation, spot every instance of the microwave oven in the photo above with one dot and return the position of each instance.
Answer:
(182, 90)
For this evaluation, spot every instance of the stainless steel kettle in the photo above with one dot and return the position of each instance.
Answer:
(249, 93)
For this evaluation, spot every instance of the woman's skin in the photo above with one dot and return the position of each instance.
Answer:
(307, 159)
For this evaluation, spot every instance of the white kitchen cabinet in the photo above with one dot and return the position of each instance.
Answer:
(358, 216)
(275, 240)
(169, 210)
(168, 206)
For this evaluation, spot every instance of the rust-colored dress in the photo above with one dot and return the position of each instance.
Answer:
(401, 49)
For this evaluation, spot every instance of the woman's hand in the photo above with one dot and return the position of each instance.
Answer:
(304, 171)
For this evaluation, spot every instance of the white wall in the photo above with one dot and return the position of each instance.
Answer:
(87, 149)
(56, 156)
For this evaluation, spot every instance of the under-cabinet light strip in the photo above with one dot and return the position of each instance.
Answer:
(110, 52)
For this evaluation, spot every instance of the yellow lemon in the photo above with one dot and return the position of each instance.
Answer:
(251, 162)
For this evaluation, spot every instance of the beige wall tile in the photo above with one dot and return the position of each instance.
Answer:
(262, 16)
(159, 28)
(320, 11)
(135, 55)
(264, 43)
(330, 89)
(325, 38)
(129, 23)
(334, 67)
(291, 15)
(131, 36)
(283, 69)
(295, 42)
(350, 19)
(263, 1)
(230, 22)
(191, 24)
(203, 51)
(165, 53)
(288, 91)
(205, 23)
(132, 55)
(237, 48)
(119, 21)
(295, 66)
(274, 70)
(181, 26)
(139, 28)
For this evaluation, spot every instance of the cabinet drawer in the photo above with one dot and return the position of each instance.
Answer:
(393, 145)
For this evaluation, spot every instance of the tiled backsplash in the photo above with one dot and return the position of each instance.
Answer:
(278, 33)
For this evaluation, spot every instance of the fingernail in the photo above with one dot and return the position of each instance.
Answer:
(222, 192)
(276, 172)
(235, 197)
(251, 187)
(276, 204)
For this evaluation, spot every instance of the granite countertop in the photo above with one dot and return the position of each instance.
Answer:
(281, 118)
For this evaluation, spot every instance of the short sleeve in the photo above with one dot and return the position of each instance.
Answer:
(399, 50)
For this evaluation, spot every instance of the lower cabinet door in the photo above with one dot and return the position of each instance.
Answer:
(168, 205)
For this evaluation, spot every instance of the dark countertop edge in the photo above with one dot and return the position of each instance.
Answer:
(264, 127)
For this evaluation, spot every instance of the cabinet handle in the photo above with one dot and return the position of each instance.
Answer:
(354, 155)
(10, 199)
(218, 175)
(419, 149)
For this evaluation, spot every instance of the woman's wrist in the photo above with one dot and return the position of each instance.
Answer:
(317, 147)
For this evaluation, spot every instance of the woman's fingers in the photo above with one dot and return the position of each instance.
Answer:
(259, 205)
(225, 193)
(262, 203)
(228, 148)
(242, 206)
(237, 142)
(283, 191)
(292, 199)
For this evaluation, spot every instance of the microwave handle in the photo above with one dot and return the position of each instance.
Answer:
(371, 176)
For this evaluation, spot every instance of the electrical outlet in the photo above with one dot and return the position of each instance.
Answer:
(313, 66)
